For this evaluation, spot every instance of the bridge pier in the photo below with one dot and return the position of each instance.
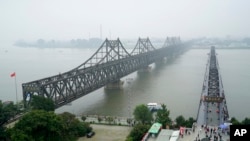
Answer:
(145, 69)
(162, 60)
(115, 85)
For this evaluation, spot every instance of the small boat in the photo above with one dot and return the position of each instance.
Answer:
(153, 107)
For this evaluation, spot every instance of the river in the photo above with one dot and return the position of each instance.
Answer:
(176, 83)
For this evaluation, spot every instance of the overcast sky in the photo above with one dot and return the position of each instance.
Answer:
(68, 19)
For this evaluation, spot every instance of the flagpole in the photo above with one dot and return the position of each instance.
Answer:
(14, 75)
(16, 92)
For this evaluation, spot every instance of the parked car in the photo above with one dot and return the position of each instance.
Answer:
(90, 134)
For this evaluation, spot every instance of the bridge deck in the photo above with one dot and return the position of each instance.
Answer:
(200, 133)
(213, 108)
(208, 115)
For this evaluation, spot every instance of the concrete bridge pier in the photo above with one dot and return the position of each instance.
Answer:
(145, 69)
(163, 60)
(114, 85)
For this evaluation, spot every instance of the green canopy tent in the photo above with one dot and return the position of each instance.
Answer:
(155, 128)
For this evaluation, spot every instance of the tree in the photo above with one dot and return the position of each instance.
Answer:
(180, 121)
(162, 116)
(234, 121)
(72, 127)
(40, 125)
(42, 103)
(189, 122)
(142, 114)
(7, 111)
(69, 122)
(83, 118)
(246, 121)
(99, 119)
(109, 119)
(37, 125)
(138, 132)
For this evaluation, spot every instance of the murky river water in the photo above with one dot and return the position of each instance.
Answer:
(176, 83)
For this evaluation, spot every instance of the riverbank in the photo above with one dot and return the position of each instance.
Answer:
(108, 133)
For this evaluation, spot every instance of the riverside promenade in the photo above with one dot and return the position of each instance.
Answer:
(107, 120)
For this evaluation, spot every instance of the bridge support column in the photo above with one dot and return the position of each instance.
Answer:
(164, 59)
(115, 85)
(145, 69)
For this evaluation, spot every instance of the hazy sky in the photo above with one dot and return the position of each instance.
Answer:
(67, 19)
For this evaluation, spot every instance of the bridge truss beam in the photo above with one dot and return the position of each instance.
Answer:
(102, 68)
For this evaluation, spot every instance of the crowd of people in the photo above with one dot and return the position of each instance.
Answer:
(210, 133)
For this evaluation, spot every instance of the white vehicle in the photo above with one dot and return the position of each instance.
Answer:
(175, 136)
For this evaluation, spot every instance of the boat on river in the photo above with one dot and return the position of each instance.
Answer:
(153, 106)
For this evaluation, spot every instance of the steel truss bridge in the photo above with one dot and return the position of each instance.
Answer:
(213, 107)
(107, 65)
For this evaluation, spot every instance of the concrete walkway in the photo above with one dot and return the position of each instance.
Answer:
(111, 120)
(200, 133)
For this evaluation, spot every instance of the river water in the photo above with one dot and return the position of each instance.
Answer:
(176, 83)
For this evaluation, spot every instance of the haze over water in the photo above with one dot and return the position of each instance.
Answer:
(176, 83)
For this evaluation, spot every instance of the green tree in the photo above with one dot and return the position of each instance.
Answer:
(40, 125)
(37, 125)
(180, 121)
(246, 121)
(162, 116)
(72, 127)
(189, 122)
(42, 103)
(69, 123)
(99, 119)
(138, 132)
(7, 111)
(109, 119)
(142, 114)
(83, 118)
(234, 121)
(3, 134)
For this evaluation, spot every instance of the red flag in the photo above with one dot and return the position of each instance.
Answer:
(13, 74)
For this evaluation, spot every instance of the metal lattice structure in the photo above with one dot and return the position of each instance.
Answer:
(110, 50)
(171, 41)
(107, 65)
(213, 108)
(142, 46)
